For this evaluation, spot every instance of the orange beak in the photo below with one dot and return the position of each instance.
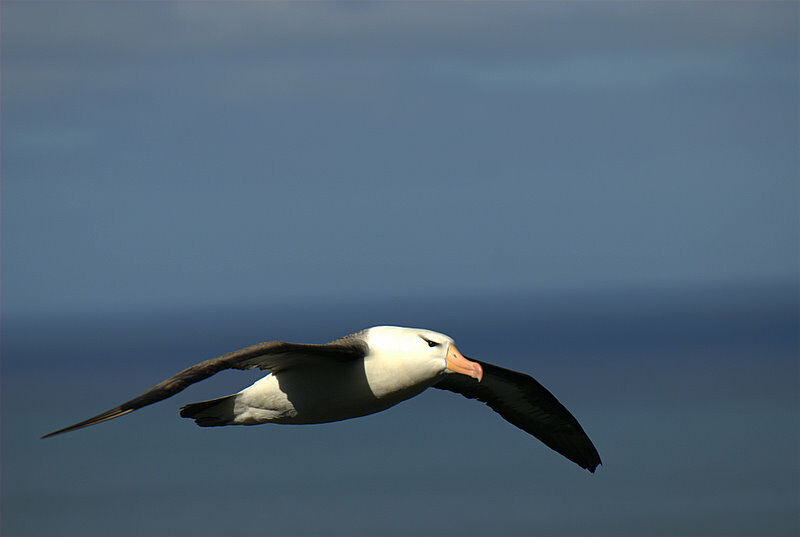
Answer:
(458, 364)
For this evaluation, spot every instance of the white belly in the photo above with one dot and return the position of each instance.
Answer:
(331, 393)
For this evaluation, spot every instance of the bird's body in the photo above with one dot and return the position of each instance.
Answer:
(326, 391)
(365, 373)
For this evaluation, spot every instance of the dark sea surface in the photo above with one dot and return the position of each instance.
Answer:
(689, 394)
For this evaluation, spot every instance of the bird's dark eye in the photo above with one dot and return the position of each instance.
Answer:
(429, 342)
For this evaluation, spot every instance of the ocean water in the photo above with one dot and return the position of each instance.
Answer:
(690, 395)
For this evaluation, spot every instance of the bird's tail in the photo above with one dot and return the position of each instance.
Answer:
(213, 413)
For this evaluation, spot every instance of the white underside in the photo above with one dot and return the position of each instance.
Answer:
(334, 392)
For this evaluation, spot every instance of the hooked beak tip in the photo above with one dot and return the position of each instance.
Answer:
(478, 370)
(456, 362)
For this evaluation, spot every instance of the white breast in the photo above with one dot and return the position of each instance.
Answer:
(390, 374)
(334, 392)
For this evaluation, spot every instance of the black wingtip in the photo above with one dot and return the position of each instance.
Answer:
(592, 466)
(105, 416)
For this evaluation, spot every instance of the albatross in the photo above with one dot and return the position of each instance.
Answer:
(364, 373)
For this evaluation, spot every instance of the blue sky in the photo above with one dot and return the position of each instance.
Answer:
(173, 155)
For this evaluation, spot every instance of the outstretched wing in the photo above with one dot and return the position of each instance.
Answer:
(272, 356)
(522, 401)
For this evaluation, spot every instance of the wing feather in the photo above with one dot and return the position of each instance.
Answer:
(522, 401)
(272, 356)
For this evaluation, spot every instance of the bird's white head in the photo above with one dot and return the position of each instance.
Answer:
(422, 345)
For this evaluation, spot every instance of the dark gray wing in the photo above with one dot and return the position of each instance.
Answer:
(272, 356)
(522, 401)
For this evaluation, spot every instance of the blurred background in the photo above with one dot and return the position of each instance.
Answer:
(603, 195)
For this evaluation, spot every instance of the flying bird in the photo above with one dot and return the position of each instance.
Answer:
(363, 373)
